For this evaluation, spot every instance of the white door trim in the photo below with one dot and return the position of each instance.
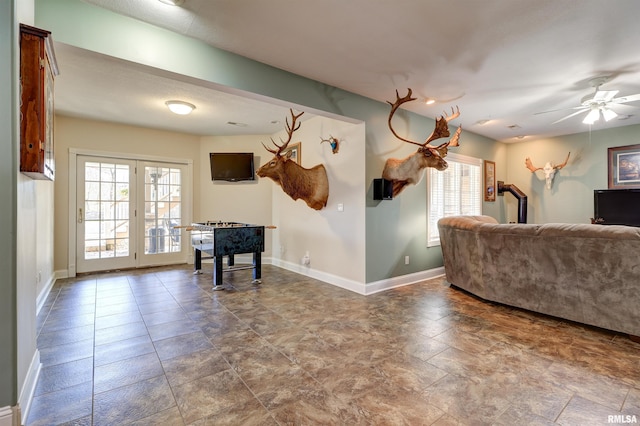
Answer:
(73, 202)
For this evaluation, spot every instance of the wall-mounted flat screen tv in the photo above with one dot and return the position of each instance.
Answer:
(617, 206)
(232, 166)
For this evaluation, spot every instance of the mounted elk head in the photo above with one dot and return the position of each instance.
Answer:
(549, 169)
(410, 170)
(310, 185)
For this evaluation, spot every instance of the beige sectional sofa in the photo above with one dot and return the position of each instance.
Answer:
(580, 272)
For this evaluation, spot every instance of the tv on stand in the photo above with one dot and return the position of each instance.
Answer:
(616, 207)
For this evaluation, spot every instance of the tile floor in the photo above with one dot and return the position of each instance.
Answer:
(159, 347)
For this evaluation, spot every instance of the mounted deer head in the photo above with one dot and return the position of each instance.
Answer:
(410, 169)
(333, 142)
(310, 185)
(548, 169)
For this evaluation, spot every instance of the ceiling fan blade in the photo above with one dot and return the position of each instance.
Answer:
(604, 95)
(624, 99)
(556, 110)
(571, 115)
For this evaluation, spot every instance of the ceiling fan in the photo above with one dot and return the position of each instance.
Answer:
(599, 103)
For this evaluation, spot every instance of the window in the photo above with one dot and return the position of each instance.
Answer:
(455, 191)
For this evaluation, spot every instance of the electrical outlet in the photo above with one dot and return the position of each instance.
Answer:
(406, 260)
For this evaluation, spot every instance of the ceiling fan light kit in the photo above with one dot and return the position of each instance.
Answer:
(592, 117)
(601, 101)
(609, 114)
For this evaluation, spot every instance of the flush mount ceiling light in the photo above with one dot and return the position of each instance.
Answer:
(172, 2)
(180, 107)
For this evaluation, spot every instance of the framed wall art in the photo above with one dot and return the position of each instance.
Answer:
(489, 180)
(624, 167)
(296, 152)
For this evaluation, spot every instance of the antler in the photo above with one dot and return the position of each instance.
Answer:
(290, 129)
(559, 166)
(533, 168)
(530, 166)
(394, 106)
(441, 130)
(331, 139)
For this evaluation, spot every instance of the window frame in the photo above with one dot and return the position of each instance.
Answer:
(433, 238)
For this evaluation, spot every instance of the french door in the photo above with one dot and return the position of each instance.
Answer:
(129, 213)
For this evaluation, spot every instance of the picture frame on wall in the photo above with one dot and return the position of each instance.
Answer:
(296, 152)
(489, 180)
(624, 166)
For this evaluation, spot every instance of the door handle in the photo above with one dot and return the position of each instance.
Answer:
(80, 215)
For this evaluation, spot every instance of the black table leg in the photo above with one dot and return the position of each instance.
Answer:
(257, 267)
(217, 273)
(197, 263)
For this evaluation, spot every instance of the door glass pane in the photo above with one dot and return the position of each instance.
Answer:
(106, 210)
(92, 172)
(91, 190)
(122, 246)
(162, 209)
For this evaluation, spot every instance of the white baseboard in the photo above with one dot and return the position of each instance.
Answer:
(9, 416)
(62, 273)
(345, 283)
(402, 280)
(358, 287)
(29, 387)
(42, 297)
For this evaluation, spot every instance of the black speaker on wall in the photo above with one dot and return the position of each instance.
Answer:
(382, 189)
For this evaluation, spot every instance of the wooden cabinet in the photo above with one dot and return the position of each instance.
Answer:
(38, 69)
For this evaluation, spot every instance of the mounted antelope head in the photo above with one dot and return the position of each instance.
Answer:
(548, 169)
(310, 185)
(410, 170)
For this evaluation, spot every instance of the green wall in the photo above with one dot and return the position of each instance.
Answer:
(8, 208)
(570, 199)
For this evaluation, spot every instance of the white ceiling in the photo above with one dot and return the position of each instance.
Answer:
(498, 60)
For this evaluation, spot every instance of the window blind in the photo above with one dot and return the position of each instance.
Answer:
(455, 191)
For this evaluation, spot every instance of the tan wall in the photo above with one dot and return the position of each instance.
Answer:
(109, 137)
(245, 201)
(334, 239)
(330, 236)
